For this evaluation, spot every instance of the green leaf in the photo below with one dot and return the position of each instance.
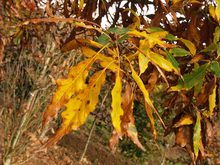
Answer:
(180, 52)
(215, 67)
(118, 30)
(218, 49)
(154, 29)
(216, 35)
(211, 47)
(195, 77)
(172, 60)
(197, 135)
(171, 37)
(103, 39)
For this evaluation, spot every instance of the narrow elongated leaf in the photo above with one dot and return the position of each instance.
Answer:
(162, 62)
(128, 125)
(172, 60)
(195, 76)
(149, 112)
(189, 45)
(197, 134)
(104, 60)
(215, 67)
(185, 120)
(171, 37)
(216, 35)
(217, 10)
(142, 87)
(117, 110)
(179, 52)
(211, 47)
(81, 3)
(212, 101)
(143, 62)
(154, 29)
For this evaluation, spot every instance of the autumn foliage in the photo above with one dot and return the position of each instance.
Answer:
(176, 47)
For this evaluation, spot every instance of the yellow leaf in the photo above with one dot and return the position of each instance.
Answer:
(217, 10)
(212, 101)
(66, 88)
(104, 60)
(143, 62)
(185, 120)
(142, 87)
(212, 11)
(136, 19)
(117, 110)
(151, 118)
(79, 107)
(157, 59)
(197, 134)
(189, 45)
(81, 3)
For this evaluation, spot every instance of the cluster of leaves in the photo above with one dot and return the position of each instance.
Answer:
(179, 48)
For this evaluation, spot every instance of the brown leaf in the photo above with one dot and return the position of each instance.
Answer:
(2, 48)
(206, 91)
(209, 132)
(152, 80)
(183, 136)
(73, 44)
(127, 124)
(114, 141)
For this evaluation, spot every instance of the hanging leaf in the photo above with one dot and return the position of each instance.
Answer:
(117, 110)
(79, 107)
(172, 60)
(197, 134)
(216, 35)
(114, 141)
(212, 101)
(215, 67)
(151, 118)
(189, 45)
(81, 3)
(143, 62)
(185, 120)
(74, 83)
(127, 120)
(142, 87)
